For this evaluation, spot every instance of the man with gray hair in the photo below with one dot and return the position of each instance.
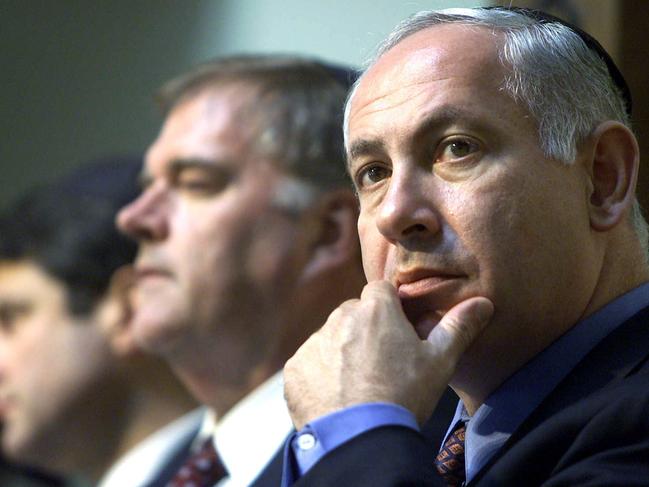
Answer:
(505, 252)
(247, 232)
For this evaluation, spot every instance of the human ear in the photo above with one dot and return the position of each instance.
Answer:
(614, 165)
(333, 240)
(115, 313)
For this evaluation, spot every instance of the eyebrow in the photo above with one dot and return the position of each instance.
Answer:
(364, 147)
(177, 165)
(145, 178)
(14, 304)
(442, 116)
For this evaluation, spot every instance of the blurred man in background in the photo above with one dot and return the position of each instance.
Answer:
(247, 232)
(77, 396)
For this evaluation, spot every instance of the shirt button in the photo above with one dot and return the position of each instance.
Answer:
(306, 441)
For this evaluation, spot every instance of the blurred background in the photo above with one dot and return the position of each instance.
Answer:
(78, 76)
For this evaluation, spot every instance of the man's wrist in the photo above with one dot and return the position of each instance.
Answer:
(326, 433)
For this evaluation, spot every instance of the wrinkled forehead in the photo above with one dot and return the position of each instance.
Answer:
(434, 53)
(239, 93)
(217, 122)
(426, 66)
(221, 108)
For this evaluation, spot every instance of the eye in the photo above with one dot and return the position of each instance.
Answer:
(457, 149)
(371, 175)
(11, 313)
(200, 181)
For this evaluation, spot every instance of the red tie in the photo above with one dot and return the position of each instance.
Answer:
(202, 469)
(450, 460)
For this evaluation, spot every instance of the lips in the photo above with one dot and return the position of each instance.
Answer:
(425, 296)
(144, 271)
(423, 282)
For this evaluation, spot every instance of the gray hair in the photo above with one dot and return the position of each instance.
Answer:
(563, 83)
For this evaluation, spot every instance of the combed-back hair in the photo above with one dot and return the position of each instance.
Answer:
(295, 106)
(548, 68)
(67, 227)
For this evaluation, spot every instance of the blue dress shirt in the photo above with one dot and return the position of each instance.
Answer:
(494, 421)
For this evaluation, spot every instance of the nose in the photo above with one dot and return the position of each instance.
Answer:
(146, 218)
(407, 210)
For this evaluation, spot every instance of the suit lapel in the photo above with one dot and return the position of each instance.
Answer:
(609, 362)
(271, 475)
(605, 365)
(175, 462)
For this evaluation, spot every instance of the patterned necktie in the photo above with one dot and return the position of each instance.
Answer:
(202, 469)
(450, 460)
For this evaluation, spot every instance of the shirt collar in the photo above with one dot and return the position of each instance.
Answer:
(143, 463)
(252, 432)
(509, 405)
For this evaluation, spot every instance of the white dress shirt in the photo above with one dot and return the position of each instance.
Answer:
(249, 435)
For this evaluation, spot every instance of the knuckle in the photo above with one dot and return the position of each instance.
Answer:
(342, 311)
(289, 367)
(372, 302)
(377, 288)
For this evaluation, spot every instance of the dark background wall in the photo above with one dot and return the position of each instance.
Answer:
(76, 76)
(76, 80)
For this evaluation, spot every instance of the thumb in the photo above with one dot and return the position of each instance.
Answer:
(459, 328)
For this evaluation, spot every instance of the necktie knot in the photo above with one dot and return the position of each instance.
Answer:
(201, 469)
(450, 459)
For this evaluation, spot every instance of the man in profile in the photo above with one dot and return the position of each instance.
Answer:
(496, 171)
(247, 232)
(77, 395)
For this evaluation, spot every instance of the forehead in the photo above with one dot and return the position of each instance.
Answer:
(436, 53)
(26, 278)
(208, 125)
(454, 65)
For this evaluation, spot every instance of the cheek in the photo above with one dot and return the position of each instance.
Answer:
(519, 231)
(270, 251)
(217, 252)
(40, 376)
(31, 356)
(199, 247)
(85, 360)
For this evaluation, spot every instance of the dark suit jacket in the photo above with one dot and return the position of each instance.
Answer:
(271, 475)
(435, 431)
(592, 430)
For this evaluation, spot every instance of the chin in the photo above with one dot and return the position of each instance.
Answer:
(18, 448)
(155, 334)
